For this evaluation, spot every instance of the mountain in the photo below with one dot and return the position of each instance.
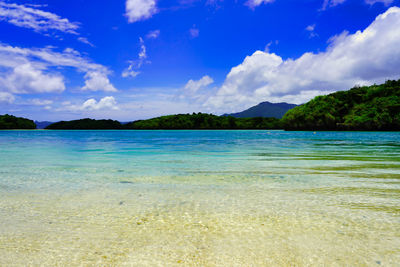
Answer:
(42, 124)
(264, 109)
(367, 108)
(12, 122)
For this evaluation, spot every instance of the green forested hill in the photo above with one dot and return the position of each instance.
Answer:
(12, 122)
(172, 122)
(375, 107)
(85, 124)
(204, 121)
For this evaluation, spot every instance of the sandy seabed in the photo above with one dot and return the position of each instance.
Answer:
(202, 225)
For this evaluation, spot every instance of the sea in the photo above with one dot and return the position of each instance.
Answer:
(199, 198)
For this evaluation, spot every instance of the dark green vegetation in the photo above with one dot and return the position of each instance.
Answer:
(204, 121)
(264, 109)
(366, 108)
(172, 122)
(12, 122)
(85, 124)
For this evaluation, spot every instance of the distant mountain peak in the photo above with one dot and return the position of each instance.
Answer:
(42, 124)
(264, 109)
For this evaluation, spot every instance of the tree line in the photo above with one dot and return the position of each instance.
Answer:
(172, 122)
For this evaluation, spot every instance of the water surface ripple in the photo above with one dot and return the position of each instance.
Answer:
(199, 198)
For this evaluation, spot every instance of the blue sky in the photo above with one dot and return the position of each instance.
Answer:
(136, 59)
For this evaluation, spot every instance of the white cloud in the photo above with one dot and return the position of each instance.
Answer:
(107, 102)
(6, 97)
(142, 53)
(136, 64)
(85, 41)
(193, 86)
(130, 72)
(41, 102)
(332, 3)
(385, 2)
(153, 34)
(33, 18)
(365, 57)
(25, 79)
(98, 81)
(255, 3)
(137, 10)
(310, 28)
(27, 70)
(13, 56)
(194, 32)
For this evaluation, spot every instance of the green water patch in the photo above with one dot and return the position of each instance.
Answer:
(394, 210)
(356, 167)
(350, 174)
(390, 193)
(324, 156)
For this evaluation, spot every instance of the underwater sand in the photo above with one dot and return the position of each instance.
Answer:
(199, 198)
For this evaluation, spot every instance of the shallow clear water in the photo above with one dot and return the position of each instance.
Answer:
(199, 198)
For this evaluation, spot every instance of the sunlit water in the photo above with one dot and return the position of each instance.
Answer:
(199, 198)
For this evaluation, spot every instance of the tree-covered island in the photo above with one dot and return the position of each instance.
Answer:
(367, 108)
(200, 121)
(8, 122)
(86, 124)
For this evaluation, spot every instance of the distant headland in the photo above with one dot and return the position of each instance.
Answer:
(9, 122)
(199, 121)
(367, 108)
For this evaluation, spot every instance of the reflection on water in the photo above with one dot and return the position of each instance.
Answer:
(202, 198)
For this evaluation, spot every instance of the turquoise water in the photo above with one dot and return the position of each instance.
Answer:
(199, 198)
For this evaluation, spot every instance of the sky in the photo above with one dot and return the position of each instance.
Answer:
(138, 59)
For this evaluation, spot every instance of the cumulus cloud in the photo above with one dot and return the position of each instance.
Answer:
(106, 103)
(28, 70)
(255, 3)
(30, 17)
(193, 86)
(25, 79)
(137, 10)
(98, 81)
(6, 97)
(365, 57)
